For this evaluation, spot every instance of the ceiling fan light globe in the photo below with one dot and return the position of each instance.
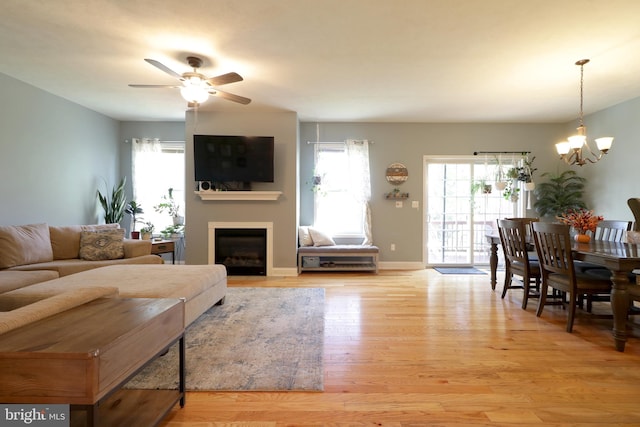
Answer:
(194, 94)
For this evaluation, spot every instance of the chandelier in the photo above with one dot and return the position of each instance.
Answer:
(576, 150)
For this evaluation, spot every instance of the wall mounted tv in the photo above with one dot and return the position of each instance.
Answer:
(225, 159)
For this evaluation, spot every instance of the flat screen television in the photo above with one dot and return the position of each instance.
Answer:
(231, 158)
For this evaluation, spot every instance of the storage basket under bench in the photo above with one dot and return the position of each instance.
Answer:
(338, 258)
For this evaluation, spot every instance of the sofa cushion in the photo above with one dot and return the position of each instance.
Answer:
(10, 279)
(65, 267)
(24, 244)
(65, 240)
(15, 313)
(102, 245)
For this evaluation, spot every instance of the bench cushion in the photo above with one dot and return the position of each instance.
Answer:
(337, 249)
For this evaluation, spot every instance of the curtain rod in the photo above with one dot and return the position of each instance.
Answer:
(475, 153)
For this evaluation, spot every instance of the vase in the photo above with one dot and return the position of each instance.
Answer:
(135, 235)
(500, 185)
(582, 238)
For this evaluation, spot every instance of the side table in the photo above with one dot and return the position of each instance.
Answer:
(159, 247)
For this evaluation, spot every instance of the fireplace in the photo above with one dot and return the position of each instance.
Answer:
(244, 248)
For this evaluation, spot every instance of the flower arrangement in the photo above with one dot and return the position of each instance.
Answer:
(581, 219)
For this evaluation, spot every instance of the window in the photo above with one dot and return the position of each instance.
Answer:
(157, 166)
(337, 211)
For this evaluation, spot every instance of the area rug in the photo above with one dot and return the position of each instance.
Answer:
(260, 339)
(459, 270)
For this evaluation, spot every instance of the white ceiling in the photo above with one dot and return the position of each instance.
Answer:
(333, 60)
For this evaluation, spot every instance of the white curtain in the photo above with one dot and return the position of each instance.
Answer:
(360, 182)
(146, 158)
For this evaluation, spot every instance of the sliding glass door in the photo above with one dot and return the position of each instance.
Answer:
(462, 206)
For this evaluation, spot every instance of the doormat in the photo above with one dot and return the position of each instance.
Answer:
(458, 270)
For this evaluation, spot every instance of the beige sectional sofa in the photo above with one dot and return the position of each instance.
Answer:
(38, 247)
(36, 280)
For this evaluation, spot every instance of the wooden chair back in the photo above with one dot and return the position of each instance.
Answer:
(612, 230)
(634, 205)
(516, 245)
(553, 245)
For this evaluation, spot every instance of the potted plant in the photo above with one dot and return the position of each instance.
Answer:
(559, 194)
(114, 204)
(147, 231)
(170, 206)
(173, 231)
(134, 209)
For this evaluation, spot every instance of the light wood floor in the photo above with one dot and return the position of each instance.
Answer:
(419, 348)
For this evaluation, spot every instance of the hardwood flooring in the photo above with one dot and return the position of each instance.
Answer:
(416, 348)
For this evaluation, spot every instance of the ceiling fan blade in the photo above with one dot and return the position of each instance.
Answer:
(164, 68)
(224, 79)
(155, 86)
(231, 97)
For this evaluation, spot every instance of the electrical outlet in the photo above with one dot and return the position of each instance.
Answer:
(398, 203)
(415, 204)
(393, 246)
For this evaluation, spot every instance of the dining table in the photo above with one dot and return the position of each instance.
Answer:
(620, 258)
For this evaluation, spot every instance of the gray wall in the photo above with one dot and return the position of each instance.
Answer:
(54, 155)
(282, 212)
(616, 177)
(408, 143)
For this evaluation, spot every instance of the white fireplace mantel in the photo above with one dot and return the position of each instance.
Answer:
(239, 195)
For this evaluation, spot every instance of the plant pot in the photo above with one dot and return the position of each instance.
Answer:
(146, 236)
(135, 235)
(500, 185)
(582, 238)
(529, 186)
(486, 189)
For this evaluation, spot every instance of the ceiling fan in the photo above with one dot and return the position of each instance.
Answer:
(196, 87)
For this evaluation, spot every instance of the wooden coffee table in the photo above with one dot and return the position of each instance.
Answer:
(83, 357)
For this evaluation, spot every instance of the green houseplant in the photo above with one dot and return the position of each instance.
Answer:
(170, 206)
(559, 193)
(147, 231)
(114, 204)
(134, 209)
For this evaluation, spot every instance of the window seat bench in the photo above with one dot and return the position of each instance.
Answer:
(338, 258)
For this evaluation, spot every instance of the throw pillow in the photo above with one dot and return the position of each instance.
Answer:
(102, 245)
(24, 244)
(304, 238)
(320, 238)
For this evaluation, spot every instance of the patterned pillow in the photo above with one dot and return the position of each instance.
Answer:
(102, 245)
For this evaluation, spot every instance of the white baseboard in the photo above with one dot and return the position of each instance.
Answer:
(288, 272)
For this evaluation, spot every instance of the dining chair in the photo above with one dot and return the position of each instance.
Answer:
(611, 230)
(553, 245)
(634, 205)
(515, 245)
